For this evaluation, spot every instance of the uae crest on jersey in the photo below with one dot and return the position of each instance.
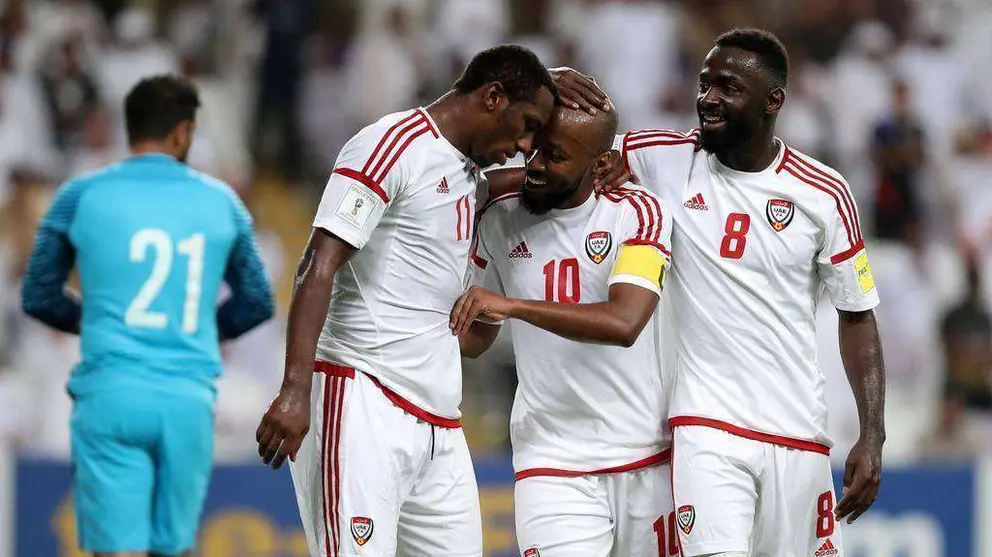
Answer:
(779, 213)
(361, 529)
(598, 245)
(686, 517)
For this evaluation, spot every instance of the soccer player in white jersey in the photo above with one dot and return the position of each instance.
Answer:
(385, 469)
(760, 231)
(583, 275)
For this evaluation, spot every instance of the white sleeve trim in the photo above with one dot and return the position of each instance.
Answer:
(636, 281)
(341, 230)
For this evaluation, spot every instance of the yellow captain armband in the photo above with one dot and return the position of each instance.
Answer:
(641, 265)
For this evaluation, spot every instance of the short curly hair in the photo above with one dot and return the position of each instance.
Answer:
(515, 67)
(765, 45)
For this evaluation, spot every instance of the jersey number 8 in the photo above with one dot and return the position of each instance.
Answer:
(137, 314)
(735, 239)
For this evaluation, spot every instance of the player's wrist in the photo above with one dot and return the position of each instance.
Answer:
(514, 307)
(873, 435)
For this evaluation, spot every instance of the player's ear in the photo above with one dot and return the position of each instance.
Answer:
(776, 98)
(605, 161)
(494, 96)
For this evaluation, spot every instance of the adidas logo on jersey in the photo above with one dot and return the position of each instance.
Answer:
(697, 203)
(826, 550)
(443, 186)
(520, 252)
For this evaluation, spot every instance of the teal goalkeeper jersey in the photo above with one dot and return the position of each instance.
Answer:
(152, 241)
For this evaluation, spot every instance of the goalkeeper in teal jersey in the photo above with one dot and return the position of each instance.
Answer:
(152, 240)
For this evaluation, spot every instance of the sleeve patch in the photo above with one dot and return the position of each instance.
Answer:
(865, 279)
(357, 206)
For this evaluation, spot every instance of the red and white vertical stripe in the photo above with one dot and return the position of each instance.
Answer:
(389, 149)
(463, 228)
(334, 388)
(649, 216)
(640, 139)
(809, 172)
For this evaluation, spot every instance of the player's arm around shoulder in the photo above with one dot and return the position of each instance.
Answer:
(43, 294)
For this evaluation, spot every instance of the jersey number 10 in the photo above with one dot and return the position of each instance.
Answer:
(566, 274)
(138, 314)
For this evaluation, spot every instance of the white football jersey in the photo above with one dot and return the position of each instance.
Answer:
(405, 197)
(752, 255)
(579, 408)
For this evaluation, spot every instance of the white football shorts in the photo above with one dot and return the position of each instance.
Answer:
(375, 481)
(734, 494)
(626, 514)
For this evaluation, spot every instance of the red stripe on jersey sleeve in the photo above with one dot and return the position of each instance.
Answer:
(385, 140)
(636, 242)
(803, 177)
(392, 153)
(364, 180)
(838, 185)
(652, 208)
(845, 255)
(430, 123)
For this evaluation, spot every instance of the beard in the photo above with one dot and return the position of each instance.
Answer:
(540, 204)
(735, 132)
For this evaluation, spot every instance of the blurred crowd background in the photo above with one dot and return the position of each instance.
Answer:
(896, 94)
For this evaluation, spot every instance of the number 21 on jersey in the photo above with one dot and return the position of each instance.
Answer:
(160, 244)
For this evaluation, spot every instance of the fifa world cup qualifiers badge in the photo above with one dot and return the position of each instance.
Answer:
(532, 552)
(357, 206)
(361, 529)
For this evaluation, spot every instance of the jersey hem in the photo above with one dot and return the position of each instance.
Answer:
(336, 370)
(780, 440)
(663, 457)
(333, 227)
(871, 304)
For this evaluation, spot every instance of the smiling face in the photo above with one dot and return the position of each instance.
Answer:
(736, 98)
(566, 152)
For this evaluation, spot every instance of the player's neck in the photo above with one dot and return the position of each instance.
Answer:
(152, 148)
(450, 114)
(752, 156)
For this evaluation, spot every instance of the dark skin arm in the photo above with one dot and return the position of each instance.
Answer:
(287, 420)
(505, 180)
(618, 321)
(861, 351)
(477, 339)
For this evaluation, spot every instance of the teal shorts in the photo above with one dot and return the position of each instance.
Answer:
(142, 463)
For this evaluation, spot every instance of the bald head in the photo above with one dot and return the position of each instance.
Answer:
(594, 133)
